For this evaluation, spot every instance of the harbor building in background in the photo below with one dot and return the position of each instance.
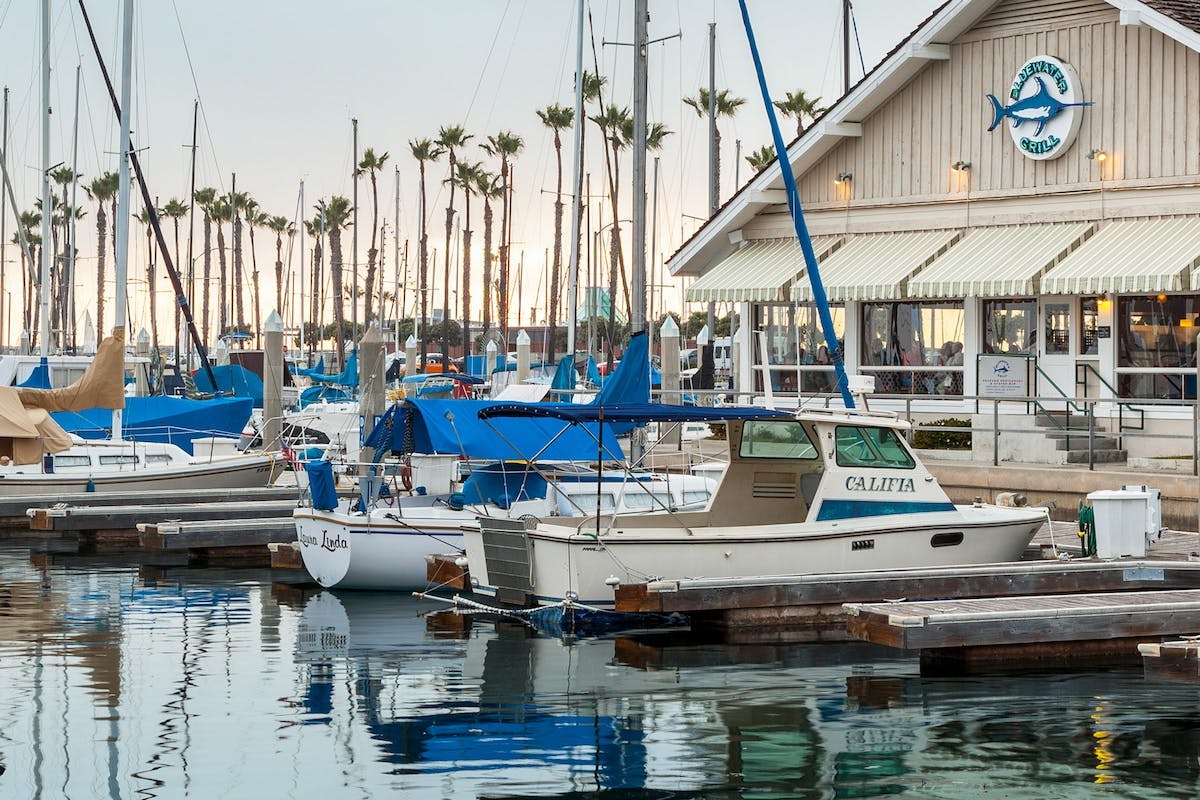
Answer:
(1007, 205)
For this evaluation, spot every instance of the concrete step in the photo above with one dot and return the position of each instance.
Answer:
(1074, 422)
(1080, 443)
(1098, 456)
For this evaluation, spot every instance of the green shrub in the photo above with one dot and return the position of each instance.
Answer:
(943, 440)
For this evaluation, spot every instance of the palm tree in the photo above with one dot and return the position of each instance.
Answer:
(30, 221)
(255, 218)
(336, 217)
(220, 212)
(726, 106)
(424, 150)
(505, 145)
(488, 187)
(280, 226)
(449, 137)
(371, 164)
(466, 177)
(176, 210)
(799, 105)
(144, 217)
(761, 158)
(316, 229)
(205, 198)
(592, 86)
(613, 123)
(102, 189)
(64, 177)
(237, 202)
(557, 118)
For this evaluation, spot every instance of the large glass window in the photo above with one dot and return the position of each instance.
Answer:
(1010, 326)
(1089, 325)
(1058, 329)
(776, 439)
(871, 447)
(1156, 345)
(914, 347)
(796, 346)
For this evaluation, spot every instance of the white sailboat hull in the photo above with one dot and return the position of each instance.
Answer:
(569, 561)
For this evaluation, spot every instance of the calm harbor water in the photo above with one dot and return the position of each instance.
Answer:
(120, 682)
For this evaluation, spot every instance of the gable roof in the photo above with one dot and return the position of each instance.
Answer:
(1176, 19)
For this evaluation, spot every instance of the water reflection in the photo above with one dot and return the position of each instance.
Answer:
(120, 681)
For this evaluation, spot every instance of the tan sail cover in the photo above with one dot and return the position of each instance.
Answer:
(25, 434)
(102, 385)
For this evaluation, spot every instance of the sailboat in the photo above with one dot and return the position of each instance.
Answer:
(73, 465)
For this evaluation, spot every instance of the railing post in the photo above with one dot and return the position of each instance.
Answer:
(1091, 418)
(1195, 414)
(908, 416)
(995, 432)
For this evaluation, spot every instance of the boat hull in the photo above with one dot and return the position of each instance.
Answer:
(565, 562)
(353, 551)
(240, 472)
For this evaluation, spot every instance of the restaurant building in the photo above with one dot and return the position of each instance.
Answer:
(1008, 204)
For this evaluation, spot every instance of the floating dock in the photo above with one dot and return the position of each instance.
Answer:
(1008, 631)
(1172, 661)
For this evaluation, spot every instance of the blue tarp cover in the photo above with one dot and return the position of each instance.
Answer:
(593, 373)
(232, 379)
(503, 486)
(454, 427)
(347, 377)
(321, 485)
(308, 373)
(175, 420)
(315, 394)
(632, 412)
(564, 378)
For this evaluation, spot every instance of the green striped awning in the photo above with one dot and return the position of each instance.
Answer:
(762, 271)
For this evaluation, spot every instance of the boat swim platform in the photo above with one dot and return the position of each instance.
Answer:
(965, 635)
(808, 607)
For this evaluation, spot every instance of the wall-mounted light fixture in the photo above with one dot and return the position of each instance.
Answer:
(1097, 155)
(960, 166)
(843, 177)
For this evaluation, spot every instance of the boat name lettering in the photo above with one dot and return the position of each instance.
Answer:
(331, 544)
(857, 483)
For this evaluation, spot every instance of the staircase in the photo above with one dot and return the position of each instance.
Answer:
(1069, 432)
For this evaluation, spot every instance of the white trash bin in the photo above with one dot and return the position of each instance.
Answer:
(1120, 522)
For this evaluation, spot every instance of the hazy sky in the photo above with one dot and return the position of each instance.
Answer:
(279, 82)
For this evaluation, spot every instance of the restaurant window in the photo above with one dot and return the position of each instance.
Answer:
(1058, 329)
(1010, 326)
(1089, 326)
(1156, 345)
(914, 348)
(796, 346)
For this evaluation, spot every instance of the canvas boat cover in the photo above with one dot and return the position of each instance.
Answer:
(101, 386)
(172, 420)
(31, 432)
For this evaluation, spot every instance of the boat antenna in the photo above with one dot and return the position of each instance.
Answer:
(180, 295)
(793, 201)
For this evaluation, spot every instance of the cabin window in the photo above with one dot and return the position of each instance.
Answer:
(158, 458)
(574, 503)
(72, 461)
(697, 498)
(777, 439)
(118, 459)
(871, 447)
(637, 500)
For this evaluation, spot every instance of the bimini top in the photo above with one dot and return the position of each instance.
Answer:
(457, 427)
(630, 412)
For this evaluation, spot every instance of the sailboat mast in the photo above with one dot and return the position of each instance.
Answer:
(354, 247)
(303, 235)
(47, 208)
(637, 311)
(69, 334)
(121, 245)
(191, 264)
(577, 199)
(396, 295)
(7, 323)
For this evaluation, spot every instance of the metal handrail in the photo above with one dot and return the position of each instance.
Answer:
(1121, 405)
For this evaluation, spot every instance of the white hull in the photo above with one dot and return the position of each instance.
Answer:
(237, 472)
(566, 562)
(357, 551)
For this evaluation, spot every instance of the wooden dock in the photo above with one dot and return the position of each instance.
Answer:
(1007, 631)
(14, 510)
(1172, 661)
(128, 517)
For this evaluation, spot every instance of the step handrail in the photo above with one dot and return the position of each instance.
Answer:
(1086, 367)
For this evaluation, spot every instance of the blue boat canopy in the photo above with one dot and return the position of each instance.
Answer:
(629, 412)
(456, 427)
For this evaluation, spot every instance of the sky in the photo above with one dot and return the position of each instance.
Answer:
(279, 82)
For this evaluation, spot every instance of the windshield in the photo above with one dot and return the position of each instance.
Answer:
(871, 447)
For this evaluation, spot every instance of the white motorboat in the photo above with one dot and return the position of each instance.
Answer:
(384, 547)
(815, 492)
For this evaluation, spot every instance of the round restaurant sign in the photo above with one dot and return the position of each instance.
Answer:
(1044, 108)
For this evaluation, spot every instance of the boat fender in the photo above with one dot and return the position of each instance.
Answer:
(91, 486)
(456, 501)
(420, 491)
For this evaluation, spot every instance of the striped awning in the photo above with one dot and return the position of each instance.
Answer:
(1140, 255)
(876, 266)
(999, 262)
(760, 272)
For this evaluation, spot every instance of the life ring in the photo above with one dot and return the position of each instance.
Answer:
(406, 475)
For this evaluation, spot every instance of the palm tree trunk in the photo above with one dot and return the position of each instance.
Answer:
(182, 271)
(502, 293)
(150, 285)
(223, 315)
(372, 252)
(423, 278)
(101, 230)
(446, 264)
(339, 309)
(254, 284)
(279, 274)
(487, 268)
(466, 276)
(238, 308)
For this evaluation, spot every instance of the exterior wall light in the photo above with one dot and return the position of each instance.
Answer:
(843, 177)
(1097, 155)
(960, 166)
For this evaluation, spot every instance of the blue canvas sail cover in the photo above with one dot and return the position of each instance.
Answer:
(309, 372)
(232, 380)
(173, 420)
(347, 377)
(564, 378)
(630, 381)
(321, 485)
(453, 427)
(39, 378)
(593, 373)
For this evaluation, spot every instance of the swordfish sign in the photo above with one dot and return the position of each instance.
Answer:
(1045, 92)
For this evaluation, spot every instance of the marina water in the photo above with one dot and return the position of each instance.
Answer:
(118, 681)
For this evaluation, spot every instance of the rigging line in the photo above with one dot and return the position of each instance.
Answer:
(487, 60)
(504, 68)
(203, 112)
(858, 42)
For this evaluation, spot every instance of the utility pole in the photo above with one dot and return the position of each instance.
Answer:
(354, 245)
